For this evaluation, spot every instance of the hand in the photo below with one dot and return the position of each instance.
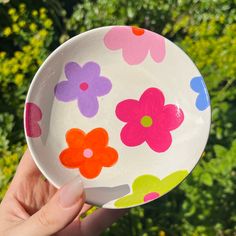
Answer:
(33, 207)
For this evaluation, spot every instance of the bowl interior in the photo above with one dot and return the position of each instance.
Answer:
(172, 77)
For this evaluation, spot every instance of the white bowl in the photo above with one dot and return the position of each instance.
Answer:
(124, 108)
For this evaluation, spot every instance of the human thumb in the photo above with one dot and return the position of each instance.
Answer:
(61, 210)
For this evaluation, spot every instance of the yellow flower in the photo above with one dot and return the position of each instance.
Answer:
(26, 48)
(6, 171)
(33, 27)
(35, 42)
(162, 233)
(7, 31)
(22, 23)
(14, 68)
(42, 16)
(24, 66)
(43, 33)
(25, 63)
(34, 13)
(19, 79)
(2, 55)
(39, 61)
(15, 28)
(15, 157)
(15, 18)
(22, 6)
(42, 10)
(5, 69)
(18, 54)
(11, 11)
(48, 23)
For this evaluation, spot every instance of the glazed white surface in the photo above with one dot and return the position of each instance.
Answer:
(172, 76)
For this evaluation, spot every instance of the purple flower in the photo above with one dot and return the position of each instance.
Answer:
(83, 84)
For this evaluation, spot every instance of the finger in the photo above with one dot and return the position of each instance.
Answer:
(60, 211)
(100, 220)
(25, 171)
(27, 166)
(93, 224)
(85, 208)
(74, 228)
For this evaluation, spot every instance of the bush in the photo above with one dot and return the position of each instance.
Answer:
(204, 204)
(28, 36)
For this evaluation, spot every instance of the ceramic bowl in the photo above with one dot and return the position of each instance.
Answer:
(122, 107)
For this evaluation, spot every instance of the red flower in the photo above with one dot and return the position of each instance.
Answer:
(88, 152)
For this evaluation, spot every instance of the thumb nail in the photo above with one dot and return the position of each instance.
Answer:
(71, 193)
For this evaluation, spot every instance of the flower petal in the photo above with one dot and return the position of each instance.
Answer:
(100, 86)
(116, 37)
(108, 157)
(73, 71)
(33, 115)
(157, 49)
(152, 102)
(158, 140)
(135, 52)
(128, 110)
(71, 157)
(133, 134)
(91, 70)
(90, 169)
(75, 138)
(96, 139)
(88, 105)
(171, 117)
(66, 91)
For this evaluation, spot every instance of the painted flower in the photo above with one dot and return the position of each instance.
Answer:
(88, 152)
(135, 43)
(83, 84)
(146, 188)
(149, 120)
(202, 101)
(33, 115)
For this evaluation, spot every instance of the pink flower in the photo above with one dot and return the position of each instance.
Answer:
(149, 120)
(135, 43)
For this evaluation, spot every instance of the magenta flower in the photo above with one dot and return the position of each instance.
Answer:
(149, 120)
(83, 84)
(33, 116)
(135, 43)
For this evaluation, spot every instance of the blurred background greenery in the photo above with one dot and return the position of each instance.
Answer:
(204, 204)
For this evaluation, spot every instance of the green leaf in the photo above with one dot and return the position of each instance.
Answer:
(207, 179)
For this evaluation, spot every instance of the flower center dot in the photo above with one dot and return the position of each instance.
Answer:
(146, 121)
(137, 31)
(88, 153)
(83, 86)
(151, 196)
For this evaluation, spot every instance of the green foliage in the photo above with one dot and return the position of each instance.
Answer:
(205, 203)
(8, 164)
(28, 36)
(213, 48)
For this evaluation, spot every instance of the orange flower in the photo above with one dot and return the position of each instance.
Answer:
(88, 152)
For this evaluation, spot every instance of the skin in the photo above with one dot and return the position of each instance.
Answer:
(32, 206)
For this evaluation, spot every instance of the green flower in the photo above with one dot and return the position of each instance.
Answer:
(149, 187)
